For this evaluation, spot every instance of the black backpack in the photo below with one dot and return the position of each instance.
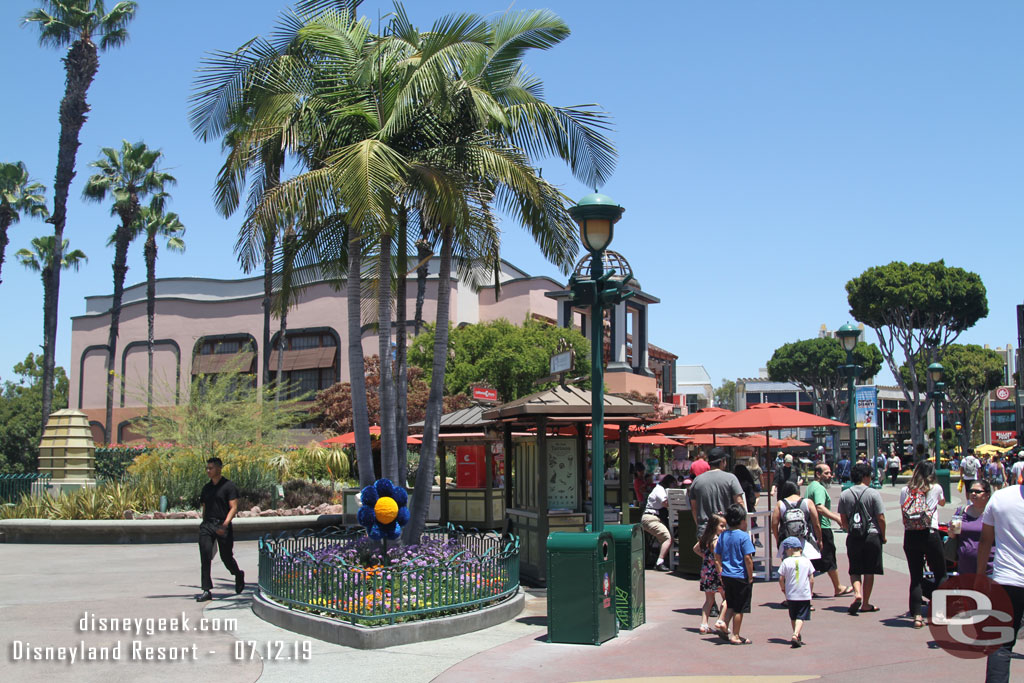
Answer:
(860, 520)
(794, 521)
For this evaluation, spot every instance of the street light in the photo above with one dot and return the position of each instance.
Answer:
(937, 372)
(596, 214)
(960, 437)
(848, 335)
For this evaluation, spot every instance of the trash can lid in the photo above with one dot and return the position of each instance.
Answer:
(577, 541)
(622, 532)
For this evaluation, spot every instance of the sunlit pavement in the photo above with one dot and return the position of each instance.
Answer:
(46, 590)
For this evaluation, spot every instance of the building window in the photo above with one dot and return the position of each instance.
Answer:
(309, 363)
(224, 353)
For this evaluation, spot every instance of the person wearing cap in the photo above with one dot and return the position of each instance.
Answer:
(714, 491)
(796, 579)
(788, 472)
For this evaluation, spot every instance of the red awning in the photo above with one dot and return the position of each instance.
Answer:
(686, 423)
(765, 417)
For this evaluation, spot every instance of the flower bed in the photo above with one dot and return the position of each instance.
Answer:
(352, 577)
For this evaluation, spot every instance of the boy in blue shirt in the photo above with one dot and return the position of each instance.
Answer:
(734, 556)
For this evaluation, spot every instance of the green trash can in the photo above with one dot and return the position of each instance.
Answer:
(630, 607)
(581, 586)
(942, 476)
(686, 536)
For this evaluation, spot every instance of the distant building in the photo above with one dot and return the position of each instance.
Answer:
(207, 325)
(694, 389)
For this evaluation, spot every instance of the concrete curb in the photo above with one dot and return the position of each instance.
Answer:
(149, 530)
(372, 638)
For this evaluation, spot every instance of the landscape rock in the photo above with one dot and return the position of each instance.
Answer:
(255, 509)
(159, 515)
(269, 513)
(334, 510)
(148, 515)
(129, 514)
(177, 515)
(191, 514)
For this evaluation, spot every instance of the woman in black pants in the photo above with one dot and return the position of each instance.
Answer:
(919, 502)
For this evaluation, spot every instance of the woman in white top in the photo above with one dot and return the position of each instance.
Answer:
(789, 498)
(919, 502)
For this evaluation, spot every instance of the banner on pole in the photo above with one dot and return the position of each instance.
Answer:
(867, 406)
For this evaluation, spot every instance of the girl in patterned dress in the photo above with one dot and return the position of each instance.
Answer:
(710, 579)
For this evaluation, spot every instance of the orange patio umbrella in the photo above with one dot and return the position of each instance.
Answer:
(350, 438)
(654, 440)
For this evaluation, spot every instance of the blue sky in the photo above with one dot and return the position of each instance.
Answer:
(769, 153)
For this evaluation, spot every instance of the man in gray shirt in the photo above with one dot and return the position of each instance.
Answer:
(862, 514)
(714, 491)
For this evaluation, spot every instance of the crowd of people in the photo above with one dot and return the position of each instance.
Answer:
(985, 534)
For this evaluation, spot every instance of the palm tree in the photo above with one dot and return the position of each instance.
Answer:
(73, 24)
(18, 195)
(154, 223)
(40, 259)
(128, 175)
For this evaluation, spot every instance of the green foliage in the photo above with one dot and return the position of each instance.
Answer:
(509, 357)
(226, 408)
(112, 462)
(813, 365)
(725, 395)
(21, 403)
(104, 501)
(928, 297)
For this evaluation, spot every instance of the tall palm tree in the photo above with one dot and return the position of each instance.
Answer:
(128, 176)
(154, 224)
(40, 258)
(18, 195)
(73, 24)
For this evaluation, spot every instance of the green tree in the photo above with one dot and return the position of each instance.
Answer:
(971, 371)
(18, 195)
(40, 260)
(916, 308)
(509, 357)
(154, 223)
(74, 24)
(226, 408)
(725, 395)
(128, 176)
(20, 404)
(813, 365)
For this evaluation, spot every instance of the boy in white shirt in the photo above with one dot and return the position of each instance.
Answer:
(796, 579)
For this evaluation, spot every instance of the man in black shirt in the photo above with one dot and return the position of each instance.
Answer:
(219, 500)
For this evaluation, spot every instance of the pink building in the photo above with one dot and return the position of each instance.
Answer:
(201, 325)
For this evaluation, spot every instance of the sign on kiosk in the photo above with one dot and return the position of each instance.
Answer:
(485, 394)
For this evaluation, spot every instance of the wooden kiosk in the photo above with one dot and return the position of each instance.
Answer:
(546, 473)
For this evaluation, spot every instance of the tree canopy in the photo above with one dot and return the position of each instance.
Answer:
(511, 358)
(970, 372)
(916, 308)
(725, 395)
(20, 404)
(813, 365)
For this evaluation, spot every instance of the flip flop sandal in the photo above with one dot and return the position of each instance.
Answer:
(848, 591)
(868, 609)
(704, 629)
(795, 642)
(855, 607)
(741, 641)
(724, 635)
(918, 623)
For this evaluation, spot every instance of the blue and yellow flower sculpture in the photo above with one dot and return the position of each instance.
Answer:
(384, 510)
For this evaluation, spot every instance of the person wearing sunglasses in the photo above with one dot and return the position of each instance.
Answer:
(966, 527)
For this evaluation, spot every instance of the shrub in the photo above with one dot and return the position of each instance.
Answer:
(105, 501)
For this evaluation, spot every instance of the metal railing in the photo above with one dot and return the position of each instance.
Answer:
(14, 486)
(319, 571)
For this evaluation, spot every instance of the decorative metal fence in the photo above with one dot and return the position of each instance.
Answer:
(14, 486)
(457, 571)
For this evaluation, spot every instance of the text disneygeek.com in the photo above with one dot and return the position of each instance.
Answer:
(136, 649)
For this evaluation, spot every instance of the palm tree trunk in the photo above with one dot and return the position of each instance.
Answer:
(120, 271)
(388, 452)
(288, 253)
(281, 346)
(5, 222)
(401, 353)
(80, 66)
(150, 253)
(269, 245)
(432, 423)
(356, 368)
(423, 254)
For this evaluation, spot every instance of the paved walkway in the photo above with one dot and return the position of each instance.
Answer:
(46, 590)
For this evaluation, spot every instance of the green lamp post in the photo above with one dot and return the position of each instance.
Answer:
(596, 214)
(937, 373)
(848, 335)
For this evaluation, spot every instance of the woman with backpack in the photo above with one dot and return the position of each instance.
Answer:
(796, 516)
(995, 473)
(919, 502)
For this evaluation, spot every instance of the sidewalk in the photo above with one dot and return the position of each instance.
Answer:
(44, 591)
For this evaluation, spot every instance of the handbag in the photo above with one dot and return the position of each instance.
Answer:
(951, 544)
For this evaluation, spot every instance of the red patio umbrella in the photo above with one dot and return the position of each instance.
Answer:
(684, 424)
(712, 440)
(350, 438)
(793, 443)
(654, 440)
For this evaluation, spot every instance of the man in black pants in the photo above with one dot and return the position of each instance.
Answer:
(219, 499)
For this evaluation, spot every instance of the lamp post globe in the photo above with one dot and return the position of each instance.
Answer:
(596, 215)
(848, 335)
(937, 374)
